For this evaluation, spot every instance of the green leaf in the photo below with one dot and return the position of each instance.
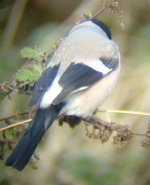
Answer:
(25, 75)
(29, 53)
(30, 74)
(38, 69)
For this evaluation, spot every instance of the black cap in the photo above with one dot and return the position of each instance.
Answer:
(103, 26)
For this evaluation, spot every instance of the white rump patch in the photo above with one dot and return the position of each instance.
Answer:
(51, 94)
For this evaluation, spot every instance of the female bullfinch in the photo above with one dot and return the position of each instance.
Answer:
(79, 76)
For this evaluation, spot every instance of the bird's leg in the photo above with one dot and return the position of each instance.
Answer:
(71, 120)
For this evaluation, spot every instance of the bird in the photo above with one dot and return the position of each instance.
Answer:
(82, 72)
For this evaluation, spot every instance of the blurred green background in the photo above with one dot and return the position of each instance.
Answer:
(67, 156)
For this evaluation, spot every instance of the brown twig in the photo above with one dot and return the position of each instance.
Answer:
(15, 124)
(6, 141)
(100, 11)
(96, 121)
(17, 115)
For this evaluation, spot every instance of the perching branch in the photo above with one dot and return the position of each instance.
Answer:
(100, 129)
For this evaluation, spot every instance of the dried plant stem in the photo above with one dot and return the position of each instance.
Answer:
(100, 11)
(17, 115)
(126, 112)
(138, 134)
(15, 124)
(6, 141)
(96, 121)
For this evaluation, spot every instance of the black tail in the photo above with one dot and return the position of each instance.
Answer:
(32, 136)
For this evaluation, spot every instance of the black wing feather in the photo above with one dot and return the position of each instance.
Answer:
(76, 76)
(111, 63)
(42, 84)
(79, 75)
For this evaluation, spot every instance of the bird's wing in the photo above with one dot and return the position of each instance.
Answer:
(42, 84)
(78, 76)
